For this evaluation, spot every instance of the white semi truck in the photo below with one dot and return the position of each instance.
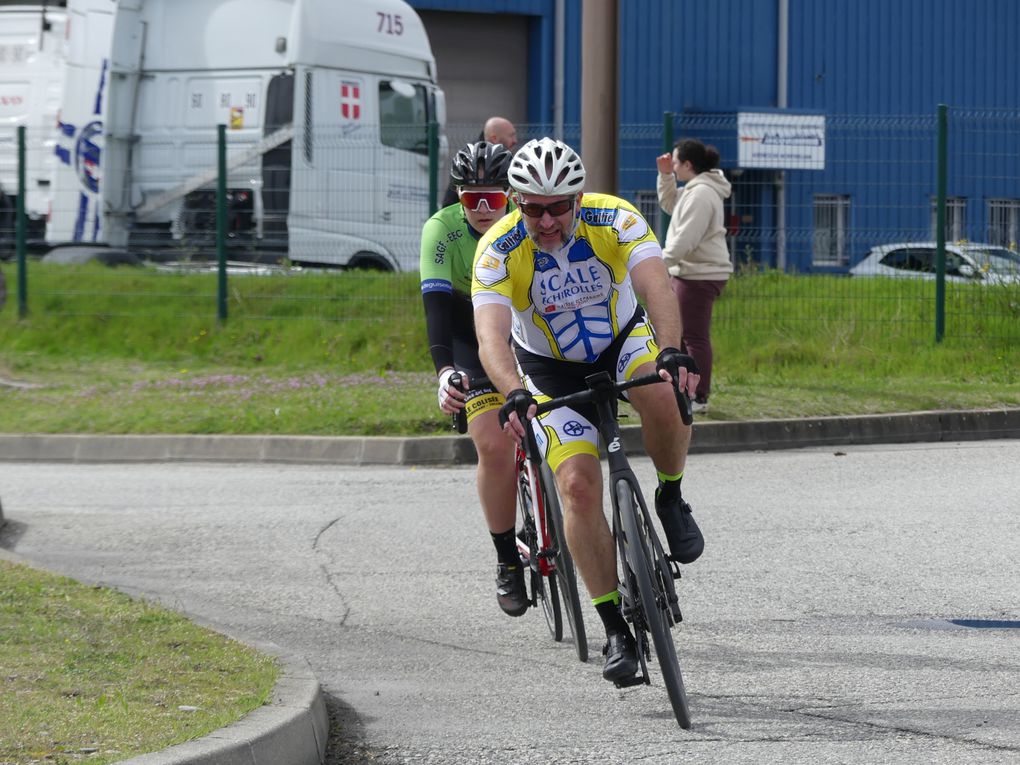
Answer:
(326, 105)
(31, 79)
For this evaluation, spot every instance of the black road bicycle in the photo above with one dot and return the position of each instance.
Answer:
(648, 596)
(541, 541)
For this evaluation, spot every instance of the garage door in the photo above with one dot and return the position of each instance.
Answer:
(482, 60)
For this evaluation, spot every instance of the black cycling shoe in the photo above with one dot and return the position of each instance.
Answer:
(683, 535)
(510, 592)
(621, 657)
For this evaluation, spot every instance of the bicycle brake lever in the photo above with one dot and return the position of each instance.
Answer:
(686, 409)
(683, 403)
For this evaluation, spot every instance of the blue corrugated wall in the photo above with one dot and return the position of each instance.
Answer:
(890, 61)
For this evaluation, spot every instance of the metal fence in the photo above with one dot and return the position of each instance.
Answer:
(322, 197)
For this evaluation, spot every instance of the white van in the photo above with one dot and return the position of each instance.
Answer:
(326, 105)
(31, 76)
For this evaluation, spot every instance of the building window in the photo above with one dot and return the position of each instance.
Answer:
(828, 242)
(1004, 222)
(956, 218)
(647, 203)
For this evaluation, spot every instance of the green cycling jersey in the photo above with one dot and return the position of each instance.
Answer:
(447, 252)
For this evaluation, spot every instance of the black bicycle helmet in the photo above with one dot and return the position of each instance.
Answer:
(481, 164)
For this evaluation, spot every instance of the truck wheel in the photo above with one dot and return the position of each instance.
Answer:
(368, 261)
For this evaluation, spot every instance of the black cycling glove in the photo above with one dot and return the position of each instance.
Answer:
(671, 360)
(518, 400)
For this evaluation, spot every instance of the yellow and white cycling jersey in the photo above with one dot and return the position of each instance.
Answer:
(568, 304)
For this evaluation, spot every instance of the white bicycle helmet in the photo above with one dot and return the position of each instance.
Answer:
(546, 167)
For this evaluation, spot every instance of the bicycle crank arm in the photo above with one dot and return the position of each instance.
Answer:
(632, 681)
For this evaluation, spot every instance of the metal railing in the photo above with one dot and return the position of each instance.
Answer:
(942, 182)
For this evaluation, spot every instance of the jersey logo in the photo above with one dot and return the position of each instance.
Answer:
(509, 240)
(624, 360)
(585, 280)
(490, 270)
(574, 302)
(575, 429)
(436, 285)
(598, 216)
(629, 226)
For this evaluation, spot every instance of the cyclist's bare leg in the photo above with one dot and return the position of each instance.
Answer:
(666, 438)
(496, 476)
(579, 481)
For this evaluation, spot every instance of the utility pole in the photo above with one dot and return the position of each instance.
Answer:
(599, 94)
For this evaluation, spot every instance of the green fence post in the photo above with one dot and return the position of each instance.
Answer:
(433, 138)
(667, 147)
(221, 222)
(940, 227)
(19, 229)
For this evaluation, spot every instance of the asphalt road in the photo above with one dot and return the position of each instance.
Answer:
(816, 622)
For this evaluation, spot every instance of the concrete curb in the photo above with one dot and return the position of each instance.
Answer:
(709, 436)
(913, 427)
(291, 729)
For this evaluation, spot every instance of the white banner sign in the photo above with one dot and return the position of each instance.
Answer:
(781, 141)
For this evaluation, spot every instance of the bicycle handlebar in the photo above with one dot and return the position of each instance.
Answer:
(595, 387)
(581, 397)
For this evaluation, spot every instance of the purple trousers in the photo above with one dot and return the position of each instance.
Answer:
(696, 297)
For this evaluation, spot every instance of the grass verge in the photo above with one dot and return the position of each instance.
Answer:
(133, 351)
(90, 675)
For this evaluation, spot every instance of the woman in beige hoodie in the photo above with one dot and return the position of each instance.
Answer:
(695, 249)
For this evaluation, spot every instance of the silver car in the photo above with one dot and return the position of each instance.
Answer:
(985, 263)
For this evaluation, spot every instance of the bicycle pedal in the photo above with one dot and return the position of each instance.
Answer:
(631, 681)
(674, 568)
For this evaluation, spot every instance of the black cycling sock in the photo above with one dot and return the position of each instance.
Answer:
(506, 547)
(669, 488)
(608, 609)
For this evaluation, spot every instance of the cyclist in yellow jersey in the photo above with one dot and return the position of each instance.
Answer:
(561, 276)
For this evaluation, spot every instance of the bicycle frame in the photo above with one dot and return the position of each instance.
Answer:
(528, 469)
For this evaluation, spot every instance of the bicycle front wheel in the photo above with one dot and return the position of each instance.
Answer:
(640, 553)
(565, 574)
(544, 590)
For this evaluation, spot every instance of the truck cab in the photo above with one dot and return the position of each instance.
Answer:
(326, 107)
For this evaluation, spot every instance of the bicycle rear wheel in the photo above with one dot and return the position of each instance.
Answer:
(640, 553)
(565, 573)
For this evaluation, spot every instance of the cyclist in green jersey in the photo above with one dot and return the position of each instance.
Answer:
(448, 243)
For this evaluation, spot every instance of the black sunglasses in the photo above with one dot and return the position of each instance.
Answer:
(535, 210)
